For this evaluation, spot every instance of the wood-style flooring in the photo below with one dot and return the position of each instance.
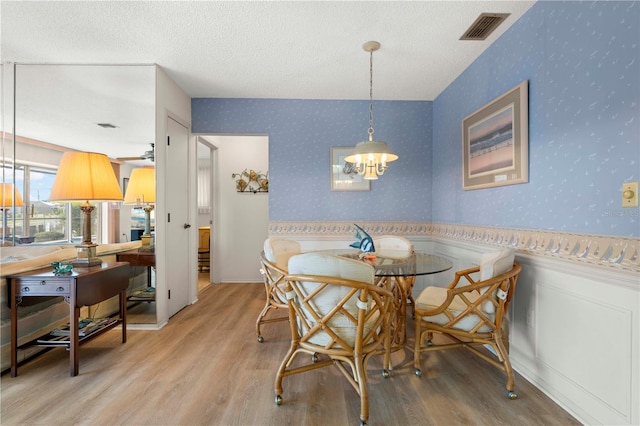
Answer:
(205, 367)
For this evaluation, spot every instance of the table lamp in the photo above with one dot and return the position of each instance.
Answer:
(85, 176)
(141, 192)
(7, 202)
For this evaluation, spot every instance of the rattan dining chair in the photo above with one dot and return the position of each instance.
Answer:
(471, 312)
(338, 316)
(396, 246)
(273, 262)
(392, 244)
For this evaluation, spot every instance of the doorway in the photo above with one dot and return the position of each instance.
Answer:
(205, 183)
(239, 220)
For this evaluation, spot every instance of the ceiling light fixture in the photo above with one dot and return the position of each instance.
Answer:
(371, 157)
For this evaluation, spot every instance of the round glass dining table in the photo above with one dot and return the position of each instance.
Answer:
(397, 271)
(395, 263)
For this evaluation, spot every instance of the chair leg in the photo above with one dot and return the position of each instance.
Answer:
(386, 365)
(281, 371)
(361, 377)
(416, 349)
(504, 354)
(262, 314)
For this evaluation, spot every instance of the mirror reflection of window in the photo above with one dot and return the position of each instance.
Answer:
(41, 221)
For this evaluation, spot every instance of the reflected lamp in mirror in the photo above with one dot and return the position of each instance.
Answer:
(141, 193)
(10, 198)
(85, 177)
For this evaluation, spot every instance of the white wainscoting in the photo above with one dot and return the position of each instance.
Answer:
(581, 345)
(575, 318)
(574, 333)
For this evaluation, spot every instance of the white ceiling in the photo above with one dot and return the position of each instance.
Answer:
(255, 49)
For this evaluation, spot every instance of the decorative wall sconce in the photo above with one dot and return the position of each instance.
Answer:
(251, 181)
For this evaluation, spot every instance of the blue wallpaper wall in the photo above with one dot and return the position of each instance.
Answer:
(301, 133)
(582, 64)
(581, 61)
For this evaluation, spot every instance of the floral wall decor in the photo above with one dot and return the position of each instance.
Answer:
(251, 181)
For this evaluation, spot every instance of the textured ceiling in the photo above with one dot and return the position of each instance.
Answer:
(302, 50)
(259, 49)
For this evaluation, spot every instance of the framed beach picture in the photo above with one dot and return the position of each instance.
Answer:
(495, 142)
(344, 176)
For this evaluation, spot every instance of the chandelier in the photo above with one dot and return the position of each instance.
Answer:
(370, 156)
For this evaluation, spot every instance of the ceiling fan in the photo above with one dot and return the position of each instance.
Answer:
(148, 155)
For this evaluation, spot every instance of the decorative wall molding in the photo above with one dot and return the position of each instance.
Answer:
(346, 229)
(609, 252)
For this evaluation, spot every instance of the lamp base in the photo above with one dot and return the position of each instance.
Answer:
(147, 243)
(86, 256)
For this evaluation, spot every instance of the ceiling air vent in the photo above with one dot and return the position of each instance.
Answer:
(484, 25)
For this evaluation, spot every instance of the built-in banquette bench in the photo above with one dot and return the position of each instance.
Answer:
(38, 316)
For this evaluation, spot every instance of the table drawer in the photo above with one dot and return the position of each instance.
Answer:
(42, 288)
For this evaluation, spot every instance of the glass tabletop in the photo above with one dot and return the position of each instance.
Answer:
(391, 263)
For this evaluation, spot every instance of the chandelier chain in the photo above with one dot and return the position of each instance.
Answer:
(371, 95)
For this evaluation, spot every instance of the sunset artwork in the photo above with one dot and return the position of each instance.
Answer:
(491, 147)
(495, 141)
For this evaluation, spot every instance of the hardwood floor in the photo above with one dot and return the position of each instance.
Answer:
(207, 368)
(145, 313)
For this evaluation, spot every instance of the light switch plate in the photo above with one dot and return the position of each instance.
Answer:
(630, 194)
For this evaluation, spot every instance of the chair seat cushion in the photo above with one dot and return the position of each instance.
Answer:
(432, 297)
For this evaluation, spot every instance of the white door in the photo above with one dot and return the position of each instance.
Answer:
(178, 205)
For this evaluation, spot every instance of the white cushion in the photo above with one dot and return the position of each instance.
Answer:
(392, 246)
(332, 266)
(492, 265)
(496, 263)
(279, 251)
(432, 297)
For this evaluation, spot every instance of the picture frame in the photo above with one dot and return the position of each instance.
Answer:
(495, 142)
(125, 183)
(343, 174)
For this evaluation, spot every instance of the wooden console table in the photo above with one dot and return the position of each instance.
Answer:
(139, 258)
(83, 287)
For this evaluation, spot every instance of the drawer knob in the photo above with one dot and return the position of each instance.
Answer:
(26, 289)
(60, 289)
(43, 282)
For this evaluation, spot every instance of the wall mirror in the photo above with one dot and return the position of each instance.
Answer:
(108, 109)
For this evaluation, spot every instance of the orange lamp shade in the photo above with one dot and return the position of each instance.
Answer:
(7, 196)
(84, 176)
(142, 186)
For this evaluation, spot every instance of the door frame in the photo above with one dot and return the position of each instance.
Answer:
(216, 187)
(214, 269)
